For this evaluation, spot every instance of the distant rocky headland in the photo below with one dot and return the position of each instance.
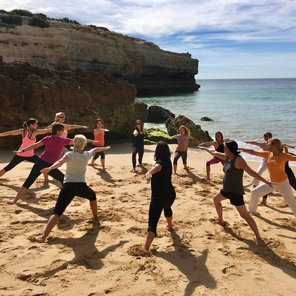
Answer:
(49, 65)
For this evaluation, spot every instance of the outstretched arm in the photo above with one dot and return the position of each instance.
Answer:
(214, 153)
(156, 168)
(12, 133)
(206, 144)
(256, 143)
(43, 131)
(99, 149)
(240, 163)
(56, 165)
(74, 126)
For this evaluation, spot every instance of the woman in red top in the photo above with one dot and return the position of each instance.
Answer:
(99, 141)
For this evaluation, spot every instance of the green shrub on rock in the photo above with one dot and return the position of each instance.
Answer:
(14, 20)
(156, 135)
(37, 21)
(21, 12)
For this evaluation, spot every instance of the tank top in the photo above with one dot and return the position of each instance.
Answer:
(233, 177)
(99, 138)
(26, 141)
(138, 140)
(220, 148)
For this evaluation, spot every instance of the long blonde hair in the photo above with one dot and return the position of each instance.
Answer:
(79, 142)
(277, 143)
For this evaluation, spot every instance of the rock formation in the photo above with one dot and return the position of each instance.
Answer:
(198, 135)
(68, 46)
(28, 91)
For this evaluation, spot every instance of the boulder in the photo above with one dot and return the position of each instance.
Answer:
(205, 118)
(197, 134)
(141, 110)
(157, 114)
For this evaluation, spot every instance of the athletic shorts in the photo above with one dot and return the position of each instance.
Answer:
(235, 199)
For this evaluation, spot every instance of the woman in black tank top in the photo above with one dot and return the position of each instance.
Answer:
(233, 190)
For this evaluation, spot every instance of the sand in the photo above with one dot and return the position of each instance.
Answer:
(198, 258)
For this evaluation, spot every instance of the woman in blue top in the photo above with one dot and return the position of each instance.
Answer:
(74, 181)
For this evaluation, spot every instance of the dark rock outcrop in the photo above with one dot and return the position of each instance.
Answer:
(205, 118)
(197, 134)
(157, 114)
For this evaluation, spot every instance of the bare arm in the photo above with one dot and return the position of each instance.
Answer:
(289, 146)
(214, 153)
(256, 143)
(249, 151)
(12, 133)
(206, 144)
(99, 149)
(240, 163)
(156, 168)
(43, 131)
(56, 165)
(73, 126)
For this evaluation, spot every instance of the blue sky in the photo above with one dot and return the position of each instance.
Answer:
(230, 38)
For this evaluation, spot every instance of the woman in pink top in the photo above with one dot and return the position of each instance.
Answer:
(29, 133)
(54, 145)
(276, 160)
(181, 151)
(99, 141)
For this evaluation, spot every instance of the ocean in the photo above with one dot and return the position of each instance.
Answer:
(242, 109)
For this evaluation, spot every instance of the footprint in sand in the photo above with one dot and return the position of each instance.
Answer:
(138, 251)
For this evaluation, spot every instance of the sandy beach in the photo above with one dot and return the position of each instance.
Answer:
(198, 258)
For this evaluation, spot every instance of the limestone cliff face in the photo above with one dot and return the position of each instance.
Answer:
(28, 91)
(66, 46)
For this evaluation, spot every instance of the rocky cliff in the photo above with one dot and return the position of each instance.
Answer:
(68, 46)
(28, 91)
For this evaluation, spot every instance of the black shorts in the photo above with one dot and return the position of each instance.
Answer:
(235, 199)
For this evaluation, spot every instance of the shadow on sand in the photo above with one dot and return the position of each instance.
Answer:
(85, 251)
(267, 254)
(194, 268)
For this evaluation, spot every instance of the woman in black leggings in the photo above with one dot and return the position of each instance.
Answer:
(162, 191)
(74, 182)
(138, 144)
(54, 145)
(29, 131)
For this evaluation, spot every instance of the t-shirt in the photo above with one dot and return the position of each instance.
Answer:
(54, 147)
(76, 166)
(276, 164)
(182, 143)
(161, 184)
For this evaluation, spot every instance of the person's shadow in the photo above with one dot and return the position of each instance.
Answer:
(194, 268)
(288, 227)
(85, 251)
(105, 176)
(267, 254)
(65, 222)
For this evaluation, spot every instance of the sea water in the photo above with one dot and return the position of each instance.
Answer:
(242, 109)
